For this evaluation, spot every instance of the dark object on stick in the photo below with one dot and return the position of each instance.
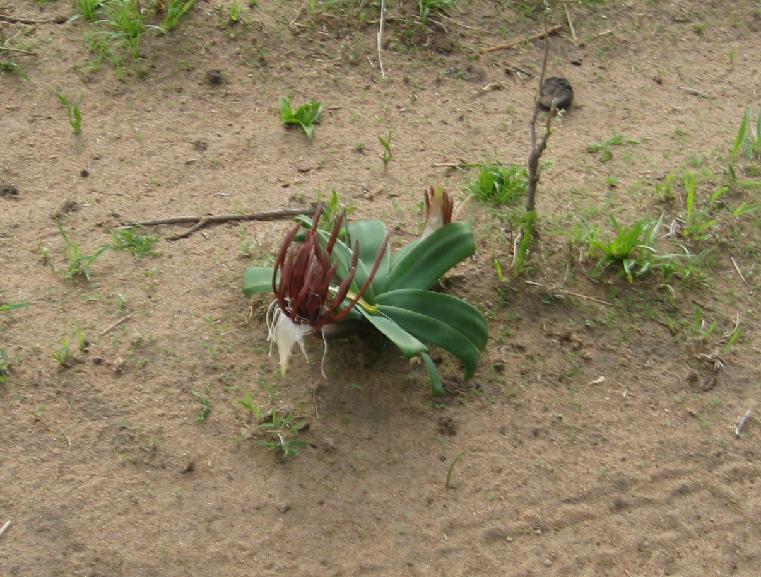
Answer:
(559, 89)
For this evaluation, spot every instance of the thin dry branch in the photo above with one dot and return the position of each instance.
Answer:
(19, 50)
(16, 20)
(507, 46)
(112, 326)
(203, 221)
(570, 24)
(537, 148)
(740, 274)
(561, 291)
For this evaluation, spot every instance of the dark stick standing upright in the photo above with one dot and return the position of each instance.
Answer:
(537, 148)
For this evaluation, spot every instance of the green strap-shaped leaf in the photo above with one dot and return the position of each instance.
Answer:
(370, 234)
(458, 314)
(405, 342)
(397, 257)
(433, 256)
(434, 331)
(437, 387)
(257, 279)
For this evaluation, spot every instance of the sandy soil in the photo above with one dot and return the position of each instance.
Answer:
(587, 444)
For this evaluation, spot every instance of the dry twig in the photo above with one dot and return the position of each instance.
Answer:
(112, 326)
(203, 221)
(4, 528)
(570, 23)
(507, 46)
(569, 293)
(16, 20)
(10, 49)
(537, 148)
(740, 274)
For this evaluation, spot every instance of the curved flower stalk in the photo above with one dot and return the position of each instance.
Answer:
(302, 283)
(438, 210)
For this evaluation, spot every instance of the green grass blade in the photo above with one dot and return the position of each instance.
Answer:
(741, 132)
(433, 256)
(434, 331)
(456, 313)
(691, 188)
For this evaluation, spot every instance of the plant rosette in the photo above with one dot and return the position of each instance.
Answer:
(323, 278)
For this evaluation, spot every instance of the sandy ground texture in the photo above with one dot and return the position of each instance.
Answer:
(597, 437)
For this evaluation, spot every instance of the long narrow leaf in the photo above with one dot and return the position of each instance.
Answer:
(437, 387)
(404, 341)
(370, 234)
(741, 132)
(433, 256)
(434, 331)
(458, 314)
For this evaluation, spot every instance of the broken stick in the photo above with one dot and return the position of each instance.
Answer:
(551, 30)
(203, 221)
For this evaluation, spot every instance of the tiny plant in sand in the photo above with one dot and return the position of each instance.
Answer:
(5, 362)
(279, 427)
(5, 366)
(8, 307)
(12, 67)
(63, 355)
(698, 221)
(305, 116)
(79, 263)
(605, 149)
(748, 139)
(73, 111)
(430, 7)
(632, 248)
(233, 14)
(387, 154)
(175, 10)
(138, 245)
(326, 282)
(89, 9)
(499, 185)
(205, 402)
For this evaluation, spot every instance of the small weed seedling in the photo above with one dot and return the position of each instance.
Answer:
(63, 355)
(387, 153)
(5, 366)
(175, 10)
(205, 402)
(12, 67)
(89, 9)
(138, 245)
(78, 263)
(280, 428)
(8, 307)
(72, 109)
(698, 220)
(605, 148)
(428, 7)
(233, 15)
(633, 247)
(306, 116)
(499, 185)
(748, 140)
